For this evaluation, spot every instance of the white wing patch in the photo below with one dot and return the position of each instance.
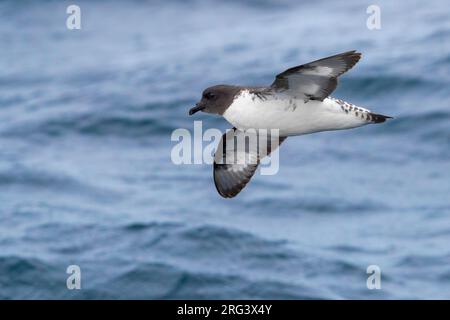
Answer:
(315, 80)
(237, 158)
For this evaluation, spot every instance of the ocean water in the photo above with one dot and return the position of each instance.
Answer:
(86, 176)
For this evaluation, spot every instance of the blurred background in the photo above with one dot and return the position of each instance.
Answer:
(86, 176)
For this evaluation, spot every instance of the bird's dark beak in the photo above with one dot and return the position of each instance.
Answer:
(195, 109)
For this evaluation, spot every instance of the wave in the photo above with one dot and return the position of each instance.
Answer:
(42, 180)
(114, 119)
(427, 127)
(28, 278)
(386, 85)
(120, 125)
(301, 205)
(164, 281)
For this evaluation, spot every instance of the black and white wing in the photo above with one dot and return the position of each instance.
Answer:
(315, 80)
(237, 158)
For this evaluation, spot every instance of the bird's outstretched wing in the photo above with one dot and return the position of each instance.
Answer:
(237, 158)
(315, 80)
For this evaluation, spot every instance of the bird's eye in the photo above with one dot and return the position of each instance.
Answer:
(209, 95)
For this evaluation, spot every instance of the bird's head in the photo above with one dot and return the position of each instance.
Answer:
(215, 99)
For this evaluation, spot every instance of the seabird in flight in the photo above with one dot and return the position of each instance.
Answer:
(296, 103)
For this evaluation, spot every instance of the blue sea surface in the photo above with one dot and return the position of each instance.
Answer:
(86, 176)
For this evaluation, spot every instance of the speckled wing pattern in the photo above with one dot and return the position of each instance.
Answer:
(315, 80)
(235, 163)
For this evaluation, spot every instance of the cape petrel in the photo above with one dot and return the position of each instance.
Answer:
(296, 103)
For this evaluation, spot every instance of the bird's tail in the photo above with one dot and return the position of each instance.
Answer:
(378, 118)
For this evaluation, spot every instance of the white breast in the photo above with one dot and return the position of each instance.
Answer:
(291, 116)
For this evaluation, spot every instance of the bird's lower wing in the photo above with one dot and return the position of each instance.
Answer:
(237, 158)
